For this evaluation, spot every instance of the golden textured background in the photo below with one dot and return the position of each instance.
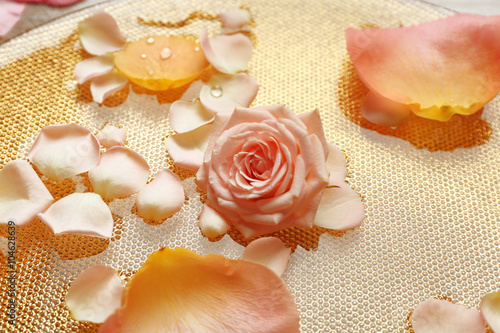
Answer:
(432, 217)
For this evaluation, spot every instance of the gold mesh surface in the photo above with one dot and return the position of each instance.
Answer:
(432, 214)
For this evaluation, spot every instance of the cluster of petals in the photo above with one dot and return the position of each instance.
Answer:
(434, 70)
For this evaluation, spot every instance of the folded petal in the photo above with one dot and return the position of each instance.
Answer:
(223, 93)
(211, 223)
(340, 208)
(490, 309)
(187, 149)
(120, 173)
(22, 194)
(228, 54)
(180, 291)
(438, 316)
(10, 14)
(95, 294)
(161, 198)
(105, 85)
(92, 67)
(79, 214)
(63, 151)
(336, 165)
(111, 136)
(235, 18)
(270, 252)
(186, 116)
(100, 34)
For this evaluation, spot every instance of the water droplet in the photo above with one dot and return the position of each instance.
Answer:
(151, 71)
(165, 53)
(197, 49)
(150, 40)
(143, 56)
(216, 91)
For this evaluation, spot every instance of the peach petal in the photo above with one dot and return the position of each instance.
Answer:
(10, 14)
(237, 90)
(270, 252)
(100, 34)
(105, 85)
(111, 136)
(438, 69)
(235, 18)
(211, 223)
(438, 316)
(22, 194)
(340, 208)
(336, 165)
(187, 149)
(92, 67)
(63, 151)
(187, 116)
(228, 54)
(120, 173)
(180, 291)
(490, 309)
(95, 294)
(80, 214)
(382, 111)
(161, 198)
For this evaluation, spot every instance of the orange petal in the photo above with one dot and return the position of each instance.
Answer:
(438, 69)
(270, 252)
(180, 291)
(490, 309)
(100, 34)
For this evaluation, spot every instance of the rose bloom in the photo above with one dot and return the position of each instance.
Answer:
(265, 169)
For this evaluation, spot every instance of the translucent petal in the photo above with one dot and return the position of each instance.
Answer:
(235, 18)
(186, 116)
(103, 86)
(10, 14)
(111, 136)
(92, 67)
(490, 309)
(211, 223)
(270, 252)
(336, 165)
(100, 34)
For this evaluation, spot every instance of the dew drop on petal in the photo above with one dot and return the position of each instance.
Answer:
(216, 91)
(197, 48)
(165, 53)
(143, 56)
(151, 71)
(150, 40)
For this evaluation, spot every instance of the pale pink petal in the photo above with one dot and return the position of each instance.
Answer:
(105, 85)
(340, 208)
(120, 173)
(161, 198)
(92, 67)
(187, 149)
(22, 194)
(100, 34)
(382, 111)
(55, 3)
(490, 309)
(79, 214)
(235, 18)
(438, 316)
(270, 252)
(336, 165)
(211, 223)
(223, 93)
(95, 294)
(10, 14)
(228, 54)
(111, 136)
(186, 116)
(63, 151)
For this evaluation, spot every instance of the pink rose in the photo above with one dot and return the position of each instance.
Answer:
(266, 169)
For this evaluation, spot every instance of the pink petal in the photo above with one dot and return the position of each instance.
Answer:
(211, 223)
(382, 111)
(187, 149)
(100, 34)
(111, 136)
(161, 198)
(235, 18)
(270, 252)
(10, 14)
(95, 294)
(105, 85)
(228, 54)
(490, 309)
(438, 316)
(22, 194)
(63, 151)
(92, 67)
(340, 208)
(55, 3)
(79, 214)
(223, 93)
(120, 173)
(336, 165)
(187, 116)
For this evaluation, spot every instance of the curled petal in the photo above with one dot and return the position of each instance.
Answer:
(223, 93)
(10, 14)
(22, 194)
(228, 54)
(80, 214)
(161, 198)
(211, 223)
(105, 85)
(100, 34)
(490, 309)
(120, 173)
(235, 18)
(438, 316)
(92, 67)
(187, 116)
(336, 165)
(270, 252)
(63, 151)
(180, 291)
(95, 294)
(111, 136)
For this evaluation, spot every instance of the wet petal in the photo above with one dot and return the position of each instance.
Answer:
(490, 309)
(10, 14)
(92, 67)
(161, 198)
(270, 252)
(228, 54)
(63, 151)
(187, 149)
(103, 86)
(120, 173)
(438, 316)
(223, 93)
(179, 291)
(100, 34)
(79, 214)
(336, 165)
(340, 208)
(95, 294)
(22, 194)
(186, 116)
(235, 19)
(211, 223)
(111, 136)
(438, 68)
